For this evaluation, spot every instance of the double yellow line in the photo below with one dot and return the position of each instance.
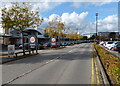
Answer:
(95, 74)
(92, 79)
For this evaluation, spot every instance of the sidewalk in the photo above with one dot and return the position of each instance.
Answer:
(4, 56)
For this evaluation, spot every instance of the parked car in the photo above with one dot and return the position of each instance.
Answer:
(40, 46)
(47, 45)
(116, 47)
(112, 45)
(26, 45)
(64, 44)
(108, 44)
(102, 43)
(55, 45)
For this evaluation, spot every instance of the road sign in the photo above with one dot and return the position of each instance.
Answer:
(11, 50)
(32, 39)
(53, 39)
(53, 43)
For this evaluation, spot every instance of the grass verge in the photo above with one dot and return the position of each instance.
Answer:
(111, 64)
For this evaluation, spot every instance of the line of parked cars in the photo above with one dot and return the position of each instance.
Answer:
(111, 45)
(26, 45)
(51, 45)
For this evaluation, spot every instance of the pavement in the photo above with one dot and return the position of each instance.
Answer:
(4, 55)
(70, 65)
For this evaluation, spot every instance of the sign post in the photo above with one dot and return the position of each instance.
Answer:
(53, 41)
(11, 51)
(32, 42)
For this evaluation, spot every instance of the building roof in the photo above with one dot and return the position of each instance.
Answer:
(34, 30)
(4, 35)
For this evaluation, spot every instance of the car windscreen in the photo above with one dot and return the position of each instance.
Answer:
(109, 42)
(118, 45)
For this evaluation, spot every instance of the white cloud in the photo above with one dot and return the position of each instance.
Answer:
(58, 0)
(110, 23)
(44, 6)
(73, 20)
(54, 17)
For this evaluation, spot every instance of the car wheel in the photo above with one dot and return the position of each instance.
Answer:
(112, 48)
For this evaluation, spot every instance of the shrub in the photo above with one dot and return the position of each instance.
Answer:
(111, 64)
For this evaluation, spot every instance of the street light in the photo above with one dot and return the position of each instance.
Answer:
(96, 23)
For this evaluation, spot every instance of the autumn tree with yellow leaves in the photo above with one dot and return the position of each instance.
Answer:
(55, 28)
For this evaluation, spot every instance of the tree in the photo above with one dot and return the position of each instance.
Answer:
(19, 17)
(92, 37)
(84, 38)
(74, 36)
(112, 35)
(55, 28)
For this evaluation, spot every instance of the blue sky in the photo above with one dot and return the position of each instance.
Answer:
(66, 7)
(82, 15)
(79, 15)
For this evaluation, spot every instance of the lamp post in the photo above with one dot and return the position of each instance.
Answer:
(96, 23)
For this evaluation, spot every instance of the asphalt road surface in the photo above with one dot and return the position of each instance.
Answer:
(70, 65)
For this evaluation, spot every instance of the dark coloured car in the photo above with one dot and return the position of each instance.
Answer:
(64, 44)
(26, 45)
(55, 45)
(58, 44)
(40, 46)
(47, 45)
(116, 47)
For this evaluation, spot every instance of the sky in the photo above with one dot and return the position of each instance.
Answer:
(79, 15)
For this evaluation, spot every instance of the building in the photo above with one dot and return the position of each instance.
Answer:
(106, 34)
(89, 35)
(15, 37)
(4, 35)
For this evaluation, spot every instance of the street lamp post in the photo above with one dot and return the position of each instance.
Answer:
(96, 23)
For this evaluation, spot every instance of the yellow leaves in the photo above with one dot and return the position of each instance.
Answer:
(74, 36)
(19, 15)
(55, 28)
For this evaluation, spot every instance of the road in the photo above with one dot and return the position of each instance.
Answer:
(70, 65)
